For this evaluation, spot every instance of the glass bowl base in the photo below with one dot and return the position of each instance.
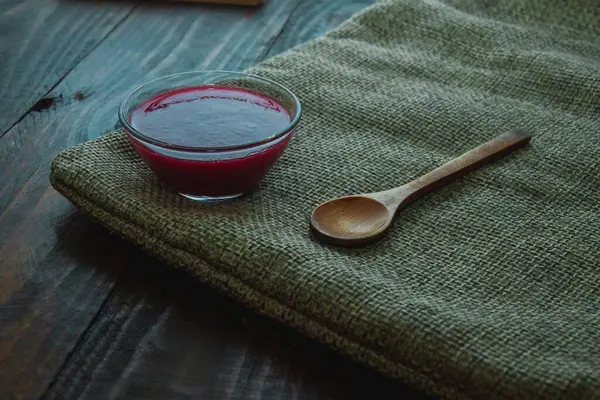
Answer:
(211, 198)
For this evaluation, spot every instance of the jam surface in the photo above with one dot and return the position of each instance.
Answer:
(211, 116)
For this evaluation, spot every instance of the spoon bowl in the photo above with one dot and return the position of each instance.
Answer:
(362, 219)
(350, 219)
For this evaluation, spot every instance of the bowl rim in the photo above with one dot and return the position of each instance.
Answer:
(124, 120)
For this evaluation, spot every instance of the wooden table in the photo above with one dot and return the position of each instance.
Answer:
(84, 314)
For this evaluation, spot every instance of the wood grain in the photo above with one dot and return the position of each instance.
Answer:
(41, 41)
(162, 335)
(50, 290)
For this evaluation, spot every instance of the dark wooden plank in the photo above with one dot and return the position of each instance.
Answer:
(52, 285)
(49, 293)
(164, 336)
(40, 41)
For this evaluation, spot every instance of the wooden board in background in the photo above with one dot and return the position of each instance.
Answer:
(232, 2)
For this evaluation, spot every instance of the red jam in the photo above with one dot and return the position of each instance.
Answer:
(208, 117)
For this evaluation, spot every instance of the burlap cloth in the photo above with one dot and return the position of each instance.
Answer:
(488, 288)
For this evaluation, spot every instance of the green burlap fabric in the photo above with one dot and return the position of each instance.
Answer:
(488, 288)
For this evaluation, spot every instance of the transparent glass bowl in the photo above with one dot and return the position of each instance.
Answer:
(211, 173)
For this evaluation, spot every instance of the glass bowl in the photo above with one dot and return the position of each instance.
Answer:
(210, 135)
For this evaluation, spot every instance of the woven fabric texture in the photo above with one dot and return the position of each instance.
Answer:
(487, 288)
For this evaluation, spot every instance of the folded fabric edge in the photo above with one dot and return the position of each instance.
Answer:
(253, 299)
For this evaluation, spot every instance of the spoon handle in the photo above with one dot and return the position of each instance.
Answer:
(467, 162)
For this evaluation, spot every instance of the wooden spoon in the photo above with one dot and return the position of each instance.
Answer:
(358, 220)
